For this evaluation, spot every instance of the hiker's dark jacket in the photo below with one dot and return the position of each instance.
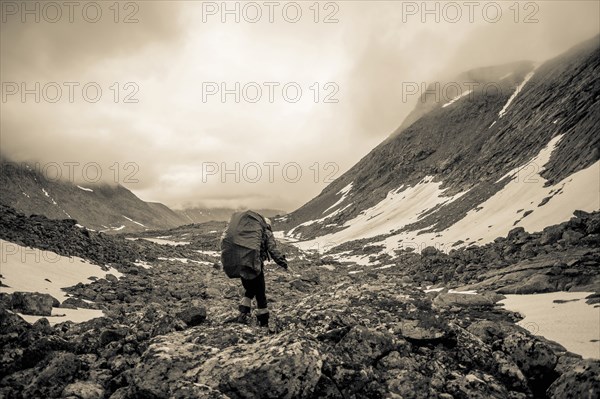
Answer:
(269, 249)
(245, 245)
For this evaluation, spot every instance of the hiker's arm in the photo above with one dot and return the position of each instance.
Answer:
(276, 255)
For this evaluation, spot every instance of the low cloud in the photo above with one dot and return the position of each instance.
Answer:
(171, 133)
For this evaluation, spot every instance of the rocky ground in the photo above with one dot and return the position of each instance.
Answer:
(332, 334)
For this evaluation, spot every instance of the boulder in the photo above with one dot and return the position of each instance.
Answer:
(421, 332)
(166, 362)
(11, 323)
(535, 358)
(74, 303)
(33, 303)
(113, 334)
(5, 300)
(192, 316)
(551, 234)
(582, 381)
(515, 233)
(534, 284)
(572, 237)
(301, 285)
(83, 390)
(53, 376)
(430, 251)
(362, 346)
(284, 366)
(446, 299)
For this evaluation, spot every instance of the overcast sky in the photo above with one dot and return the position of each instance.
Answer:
(174, 143)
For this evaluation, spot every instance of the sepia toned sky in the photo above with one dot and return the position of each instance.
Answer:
(158, 127)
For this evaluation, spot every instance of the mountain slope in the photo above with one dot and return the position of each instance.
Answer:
(102, 207)
(520, 149)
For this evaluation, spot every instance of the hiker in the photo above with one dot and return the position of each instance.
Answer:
(247, 243)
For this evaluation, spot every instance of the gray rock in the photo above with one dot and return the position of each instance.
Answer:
(419, 332)
(572, 237)
(515, 233)
(193, 316)
(362, 346)
(534, 284)
(551, 234)
(446, 299)
(84, 390)
(74, 303)
(582, 381)
(430, 251)
(284, 366)
(535, 358)
(33, 303)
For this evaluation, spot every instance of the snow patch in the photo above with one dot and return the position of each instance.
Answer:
(343, 192)
(572, 324)
(455, 99)
(133, 221)
(162, 241)
(401, 207)
(29, 269)
(469, 292)
(311, 222)
(186, 260)
(493, 218)
(216, 254)
(143, 264)
(85, 189)
(60, 315)
(515, 94)
(580, 190)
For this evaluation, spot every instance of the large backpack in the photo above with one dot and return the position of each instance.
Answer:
(241, 245)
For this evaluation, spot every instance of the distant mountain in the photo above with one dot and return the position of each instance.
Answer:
(516, 146)
(201, 215)
(100, 207)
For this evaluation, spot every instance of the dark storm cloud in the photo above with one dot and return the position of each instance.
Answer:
(44, 47)
(400, 48)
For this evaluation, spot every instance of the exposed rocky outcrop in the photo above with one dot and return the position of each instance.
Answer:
(165, 333)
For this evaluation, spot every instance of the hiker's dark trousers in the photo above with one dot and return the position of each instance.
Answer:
(256, 288)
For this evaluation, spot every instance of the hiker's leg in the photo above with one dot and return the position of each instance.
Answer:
(248, 295)
(262, 313)
(260, 291)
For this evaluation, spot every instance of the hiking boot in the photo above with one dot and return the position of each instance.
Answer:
(242, 318)
(244, 309)
(263, 319)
